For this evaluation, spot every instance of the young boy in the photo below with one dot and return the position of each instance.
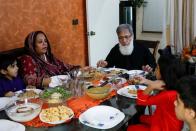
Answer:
(9, 79)
(185, 104)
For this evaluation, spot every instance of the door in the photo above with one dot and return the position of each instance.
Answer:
(102, 21)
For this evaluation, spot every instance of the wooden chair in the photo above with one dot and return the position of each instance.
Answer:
(152, 45)
(15, 52)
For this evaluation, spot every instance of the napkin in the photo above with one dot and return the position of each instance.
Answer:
(58, 80)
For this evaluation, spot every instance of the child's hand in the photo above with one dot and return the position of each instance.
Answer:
(9, 94)
(144, 80)
(157, 85)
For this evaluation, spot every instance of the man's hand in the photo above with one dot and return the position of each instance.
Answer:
(102, 63)
(147, 68)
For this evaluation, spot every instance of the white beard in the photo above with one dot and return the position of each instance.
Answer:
(126, 50)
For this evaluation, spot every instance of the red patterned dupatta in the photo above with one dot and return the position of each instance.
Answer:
(52, 66)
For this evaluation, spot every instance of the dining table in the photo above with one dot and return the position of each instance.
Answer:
(120, 102)
(125, 105)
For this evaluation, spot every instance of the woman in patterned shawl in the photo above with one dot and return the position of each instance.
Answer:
(39, 64)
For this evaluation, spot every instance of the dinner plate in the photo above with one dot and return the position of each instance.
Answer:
(4, 101)
(117, 69)
(7, 125)
(118, 81)
(58, 80)
(125, 90)
(37, 91)
(44, 115)
(101, 117)
(136, 72)
(113, 70)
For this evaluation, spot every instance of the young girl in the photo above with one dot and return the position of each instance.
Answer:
(168, 70)
(9, 79)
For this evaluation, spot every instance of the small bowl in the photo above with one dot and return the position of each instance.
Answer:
(23, 111)
(55, 95)
(98, 92)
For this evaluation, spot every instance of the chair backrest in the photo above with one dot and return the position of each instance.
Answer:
(152, 45)
(15, 52)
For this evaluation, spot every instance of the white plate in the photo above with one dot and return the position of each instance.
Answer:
(41, 116)
(37, 91)
(4, 101)
(101, 117)
(58, 80)
(30, 111)
(6, 125)
(124, 91)
(116, 69)
(136, 72)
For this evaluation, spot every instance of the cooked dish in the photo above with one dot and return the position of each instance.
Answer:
(55, 95)
(56, 114)
(134, 81)
(28, 94)
(132, 91)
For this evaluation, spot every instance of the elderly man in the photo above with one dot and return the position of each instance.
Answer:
(127, 54)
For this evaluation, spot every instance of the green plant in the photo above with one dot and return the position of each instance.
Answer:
(137, 3)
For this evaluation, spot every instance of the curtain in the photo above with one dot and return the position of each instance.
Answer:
(180, 24)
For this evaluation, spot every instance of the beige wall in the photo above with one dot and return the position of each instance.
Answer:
(144, 36)
(54, 17)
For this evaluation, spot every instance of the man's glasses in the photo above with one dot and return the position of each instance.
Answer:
(126, 37)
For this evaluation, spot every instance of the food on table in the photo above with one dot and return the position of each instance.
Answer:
(28, 94)
(55, 95)
(24, 109)
(98, 92)
(116, 80)
(132, 91)
(114, 72)
(134, 81)
(105, 78)
(92, 74)
(54, 114)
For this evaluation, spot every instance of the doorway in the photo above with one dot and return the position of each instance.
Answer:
(127, 14)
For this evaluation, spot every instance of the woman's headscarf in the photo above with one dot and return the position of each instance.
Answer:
(50, 66)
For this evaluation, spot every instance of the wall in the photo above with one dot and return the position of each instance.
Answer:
(146, 36)
(54, 17)
(139, 33)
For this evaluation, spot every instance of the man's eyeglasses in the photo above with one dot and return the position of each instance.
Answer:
(126, 37)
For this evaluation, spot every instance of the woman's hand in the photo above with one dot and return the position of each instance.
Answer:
(46, 82)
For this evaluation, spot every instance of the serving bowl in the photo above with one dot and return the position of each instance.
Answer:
(55, 95)
(98, 92)
(23, 111)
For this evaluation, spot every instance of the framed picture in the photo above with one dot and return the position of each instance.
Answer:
(153, 13)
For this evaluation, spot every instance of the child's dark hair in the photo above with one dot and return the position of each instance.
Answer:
(6, 60)
(186, 87)
(171, 70)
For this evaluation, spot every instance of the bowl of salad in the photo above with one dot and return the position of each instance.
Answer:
(55, 95)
